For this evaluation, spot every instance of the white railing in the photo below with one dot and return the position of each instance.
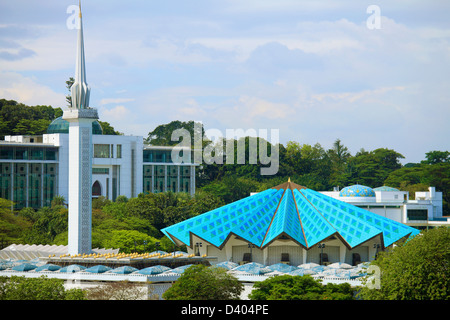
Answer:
(157, 278)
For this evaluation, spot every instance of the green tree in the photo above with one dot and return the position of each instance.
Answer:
(19, 119)
(232, 188)
(162, 134)
(339, 156)
(69, 84)
(42, 288)
(434, 157)
(119, 290)
(288, 287)
(372, 168)
(422, 176)
(107, 129)
(49, 223)
(12, 227)
(58, 201)
(199, 282)
(204, 201)
(129, 241)
(417, 270)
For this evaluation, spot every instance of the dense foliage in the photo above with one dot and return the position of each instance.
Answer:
(43, 288)
(418, 270)
(288, 287)
(132, 225)
(19, 119)
(313, 166)
(199, 282)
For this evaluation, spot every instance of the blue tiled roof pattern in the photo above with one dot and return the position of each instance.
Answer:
(353, 229)
(368, 223)
(315, 226)
(304, 215)
(357, 190)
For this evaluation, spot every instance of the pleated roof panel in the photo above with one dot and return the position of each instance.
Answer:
(215, 226)
(285, 221)
(357, 225)
(289, 210)
(315, 226)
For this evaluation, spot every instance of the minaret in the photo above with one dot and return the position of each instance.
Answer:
(80, 118)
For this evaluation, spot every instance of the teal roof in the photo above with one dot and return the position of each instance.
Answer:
(357, 190)
(59, 125)
(385, 188)
(289, 210)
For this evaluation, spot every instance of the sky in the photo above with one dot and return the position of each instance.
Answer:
(316, 71)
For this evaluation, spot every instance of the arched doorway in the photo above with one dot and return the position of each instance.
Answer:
(96, 189)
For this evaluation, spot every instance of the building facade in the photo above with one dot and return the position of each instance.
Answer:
(35, 169)
(423, 212)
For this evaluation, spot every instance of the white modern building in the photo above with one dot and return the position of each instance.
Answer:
(423, 212)
(35, 169)
(79, 163)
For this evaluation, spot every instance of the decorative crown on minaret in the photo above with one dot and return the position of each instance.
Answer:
(80, 90)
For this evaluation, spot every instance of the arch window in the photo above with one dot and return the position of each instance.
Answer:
(96, 189)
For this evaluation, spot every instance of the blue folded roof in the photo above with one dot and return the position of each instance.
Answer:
(289, 210)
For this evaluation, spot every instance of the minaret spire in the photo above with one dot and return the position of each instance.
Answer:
(80, 118)
(80, 89)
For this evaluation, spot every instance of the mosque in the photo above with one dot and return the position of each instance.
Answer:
(289, 224)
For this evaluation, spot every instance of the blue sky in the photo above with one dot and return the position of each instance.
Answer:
(312, 69)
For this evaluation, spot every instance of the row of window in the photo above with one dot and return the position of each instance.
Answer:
(160, 170)
(178, 178)
(28, 153)
(35, 184)
(100, 151)
(162, 156)
(107, 151)
(32, 184)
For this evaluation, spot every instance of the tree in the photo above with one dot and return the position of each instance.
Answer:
(119, 290)
(129, 241)
(162, 135)
(205, 201)
(434, 157)
(417, 270)
(199, 282)
(231, 188)
(58, 201)
(42, 288)
(19, 119)
(372, 168)
(107, 129)
(69, 84)
(338, 156)
(48, 224)
(12, 227)
(422, 176)
(288, 287)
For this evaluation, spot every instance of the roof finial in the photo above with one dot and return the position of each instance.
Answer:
(80, 89)
(289, 179)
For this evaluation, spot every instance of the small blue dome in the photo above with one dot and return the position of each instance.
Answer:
(385, 188)
(357, 190)
(59, 125)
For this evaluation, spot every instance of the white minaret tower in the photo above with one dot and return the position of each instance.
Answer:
(80, 118)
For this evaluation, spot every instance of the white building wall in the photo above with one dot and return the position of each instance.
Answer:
(61, 141)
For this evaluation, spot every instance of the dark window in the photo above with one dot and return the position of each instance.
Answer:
(417, 214)
(96, 189)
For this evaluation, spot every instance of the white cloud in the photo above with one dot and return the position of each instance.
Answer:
(117, 113)
(115, 100)
(29, 91)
